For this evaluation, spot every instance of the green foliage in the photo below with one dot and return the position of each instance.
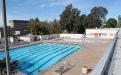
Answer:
(99, 12)
(96, 16)
(44, 27)
(3, 69)
(38, 27)
(111, 23)
(93, 21)
(66, 18)
(53, 27)
(73, 22)
(83, 23)
(33, 25)
(70, 20)
(119, 21)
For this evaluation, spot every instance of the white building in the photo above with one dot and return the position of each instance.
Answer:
(105, 33)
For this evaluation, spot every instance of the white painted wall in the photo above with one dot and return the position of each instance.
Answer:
(44, 37)
(27, 39)
(71, 36)
(11, 39)
(39, 37)
(106, 33)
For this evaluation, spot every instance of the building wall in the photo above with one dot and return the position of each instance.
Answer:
(71, 35)
(106, 33)
(29, 38)
(19, 26)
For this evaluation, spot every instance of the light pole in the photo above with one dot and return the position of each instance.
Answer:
(5, 36)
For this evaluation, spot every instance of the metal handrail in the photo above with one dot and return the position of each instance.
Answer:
(102, 67)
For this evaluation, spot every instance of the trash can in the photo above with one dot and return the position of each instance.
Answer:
(84, 69)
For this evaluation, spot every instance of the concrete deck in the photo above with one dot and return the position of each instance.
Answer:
(88, 56)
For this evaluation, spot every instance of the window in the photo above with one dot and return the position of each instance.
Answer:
(103, 34)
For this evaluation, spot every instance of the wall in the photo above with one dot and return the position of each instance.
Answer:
(71, 36)
(44, 37)
(39, 37)
(52, 36)
(19, 25)
(27, 39)
(105, 33)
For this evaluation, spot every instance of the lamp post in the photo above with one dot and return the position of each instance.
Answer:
(5, 36)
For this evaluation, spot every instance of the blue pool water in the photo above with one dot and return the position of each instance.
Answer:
(39, 57)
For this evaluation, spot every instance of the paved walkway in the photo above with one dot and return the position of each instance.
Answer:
(85, 57)
(88, 56)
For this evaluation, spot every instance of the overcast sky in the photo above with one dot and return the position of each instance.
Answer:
(51, 9)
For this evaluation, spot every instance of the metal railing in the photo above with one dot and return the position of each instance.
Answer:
(104, 64)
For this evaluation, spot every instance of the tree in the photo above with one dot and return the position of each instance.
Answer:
(38, 27)
(44, 27)
(93, 21)
(96, 16)
(80, 24)
(59, 29)
(76, 20)
(111, 23)
(68, 18)
(83, 24)
(3, 70)
(119, 21)
(33, 25)
(83, 18)
(99, 12)
(54, 27)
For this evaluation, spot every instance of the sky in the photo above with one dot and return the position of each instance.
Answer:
(51, 9)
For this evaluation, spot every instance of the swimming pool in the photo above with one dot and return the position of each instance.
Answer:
(39, 57)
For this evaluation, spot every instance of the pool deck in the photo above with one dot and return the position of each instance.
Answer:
(88, 56)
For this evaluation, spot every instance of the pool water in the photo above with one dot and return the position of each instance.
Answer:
(39, 57)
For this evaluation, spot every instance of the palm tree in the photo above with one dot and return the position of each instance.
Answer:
(13, 65)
